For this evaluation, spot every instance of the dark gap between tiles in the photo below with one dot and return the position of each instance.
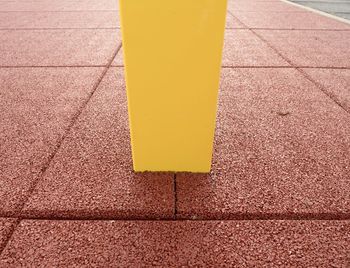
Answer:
(9, 235)
(56, 11)
(301, 29)
(300, 71)
(230, 217)
(58, 29)
(175, 197)
(73, 120)
(51, 66)
(322, 88)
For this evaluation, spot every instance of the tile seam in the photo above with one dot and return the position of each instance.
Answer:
(175, 197)
(322, 88)
(58, 11)
(295, 29)
(231, 217)
(267, 43)
(59, 29)
(68, 128)
(279, 67)
(273, 48)
(298, 69)
(266, 67)
(50, 66)
(9, 236)
(223, 66)
(114, 28)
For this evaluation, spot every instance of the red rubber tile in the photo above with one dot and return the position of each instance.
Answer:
(289, 20)
(118, 60)
(91, 175)
(336, 82)
(36, 107)
(6, 228)
(266, 6)
(64, 5)
(58, 47)
(311, 48)
(282, 149)
(34, 5)
(94, 5)
(243, 48)
(56, 20)
(179, 244)
(232, 22)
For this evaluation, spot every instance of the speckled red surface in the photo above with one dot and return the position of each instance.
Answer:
(64, 5)
(57, 20)
(36, 107)
(281, 154)
(91, 175)
(243, 48)
(336, 83)
(119, 59)
(58, 47)
(179, 244)
(282, 147)
(6, 228)
(311, 48)
(233, 22)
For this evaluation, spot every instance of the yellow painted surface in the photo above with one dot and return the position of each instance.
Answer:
(172, 54)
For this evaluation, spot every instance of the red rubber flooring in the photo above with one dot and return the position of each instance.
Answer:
(59, 20)
(278, 194)
(178, 244)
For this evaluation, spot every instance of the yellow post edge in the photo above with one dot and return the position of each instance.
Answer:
(172, 55)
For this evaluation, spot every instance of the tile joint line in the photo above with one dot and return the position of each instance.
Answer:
(175, 197)
(43, 170)
(232, 217)
(59, 29)
(299, 70)
(69, 127)
(322, 88)
(59, 11)
(8, 237)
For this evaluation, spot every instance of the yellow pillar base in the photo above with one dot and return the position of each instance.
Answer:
(172, 54)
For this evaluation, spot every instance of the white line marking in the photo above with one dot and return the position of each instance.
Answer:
(317, 11)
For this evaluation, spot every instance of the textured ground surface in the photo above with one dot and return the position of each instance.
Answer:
(339, 8)
(279, 190)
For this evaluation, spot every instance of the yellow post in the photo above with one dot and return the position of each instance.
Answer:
(172, 55)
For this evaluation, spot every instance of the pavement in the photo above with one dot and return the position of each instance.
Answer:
(339, 8)
(279, 190)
